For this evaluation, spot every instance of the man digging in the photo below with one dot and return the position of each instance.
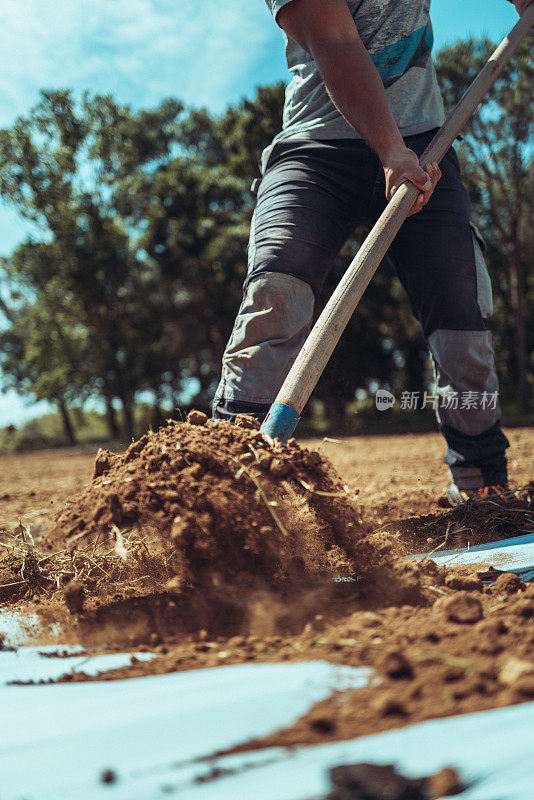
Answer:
(362, 106)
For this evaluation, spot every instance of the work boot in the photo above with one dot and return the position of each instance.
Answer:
(458, 497)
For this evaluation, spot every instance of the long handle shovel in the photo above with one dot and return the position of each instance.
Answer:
(284, 413)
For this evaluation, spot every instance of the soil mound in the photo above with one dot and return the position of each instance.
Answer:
(227, 505)
(480, 521)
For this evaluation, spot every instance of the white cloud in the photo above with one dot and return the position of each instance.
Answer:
(203, 51)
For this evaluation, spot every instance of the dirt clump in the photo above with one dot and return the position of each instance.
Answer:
(74, 595)
(227, 506)
(374, 782)
(384, 782)
(395, 665)
(445, 783)
(460, 607)
(462, 582)
(108, 776)
(509, 582)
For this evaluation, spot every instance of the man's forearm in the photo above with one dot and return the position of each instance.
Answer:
(358, 93)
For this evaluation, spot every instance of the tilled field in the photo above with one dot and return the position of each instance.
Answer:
(396, 476)
(213, 546)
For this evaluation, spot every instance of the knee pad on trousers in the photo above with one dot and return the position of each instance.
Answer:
(467, 384)
(270, 328)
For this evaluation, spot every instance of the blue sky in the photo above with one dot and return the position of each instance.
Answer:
(205, 52)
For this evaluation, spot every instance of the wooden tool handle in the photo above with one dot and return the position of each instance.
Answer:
(326, 332)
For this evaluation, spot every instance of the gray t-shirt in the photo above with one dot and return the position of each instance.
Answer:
(398, 36)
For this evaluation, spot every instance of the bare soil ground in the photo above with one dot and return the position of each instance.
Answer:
(442, 643)
(402, 476)
(397, 476)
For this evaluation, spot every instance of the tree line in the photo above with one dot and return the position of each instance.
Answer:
(128, 288)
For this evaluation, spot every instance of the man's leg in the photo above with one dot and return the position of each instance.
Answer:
(312, 196)
(270, 328)
(439, 260)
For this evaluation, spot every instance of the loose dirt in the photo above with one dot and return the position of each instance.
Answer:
(226, 508)
(398, 477)
(212, 545)
(374, 782)
(223, 503)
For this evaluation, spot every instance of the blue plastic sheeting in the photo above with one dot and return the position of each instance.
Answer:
(492, 750)
(56, 740)
(158, 734)
(509, 555)
(44, 663)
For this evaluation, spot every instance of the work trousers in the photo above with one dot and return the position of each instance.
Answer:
(312, 196)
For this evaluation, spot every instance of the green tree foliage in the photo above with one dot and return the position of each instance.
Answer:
(44, 349)
(69, 168)
(145, 226)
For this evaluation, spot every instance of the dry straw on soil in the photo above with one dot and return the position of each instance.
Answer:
(127, 566)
